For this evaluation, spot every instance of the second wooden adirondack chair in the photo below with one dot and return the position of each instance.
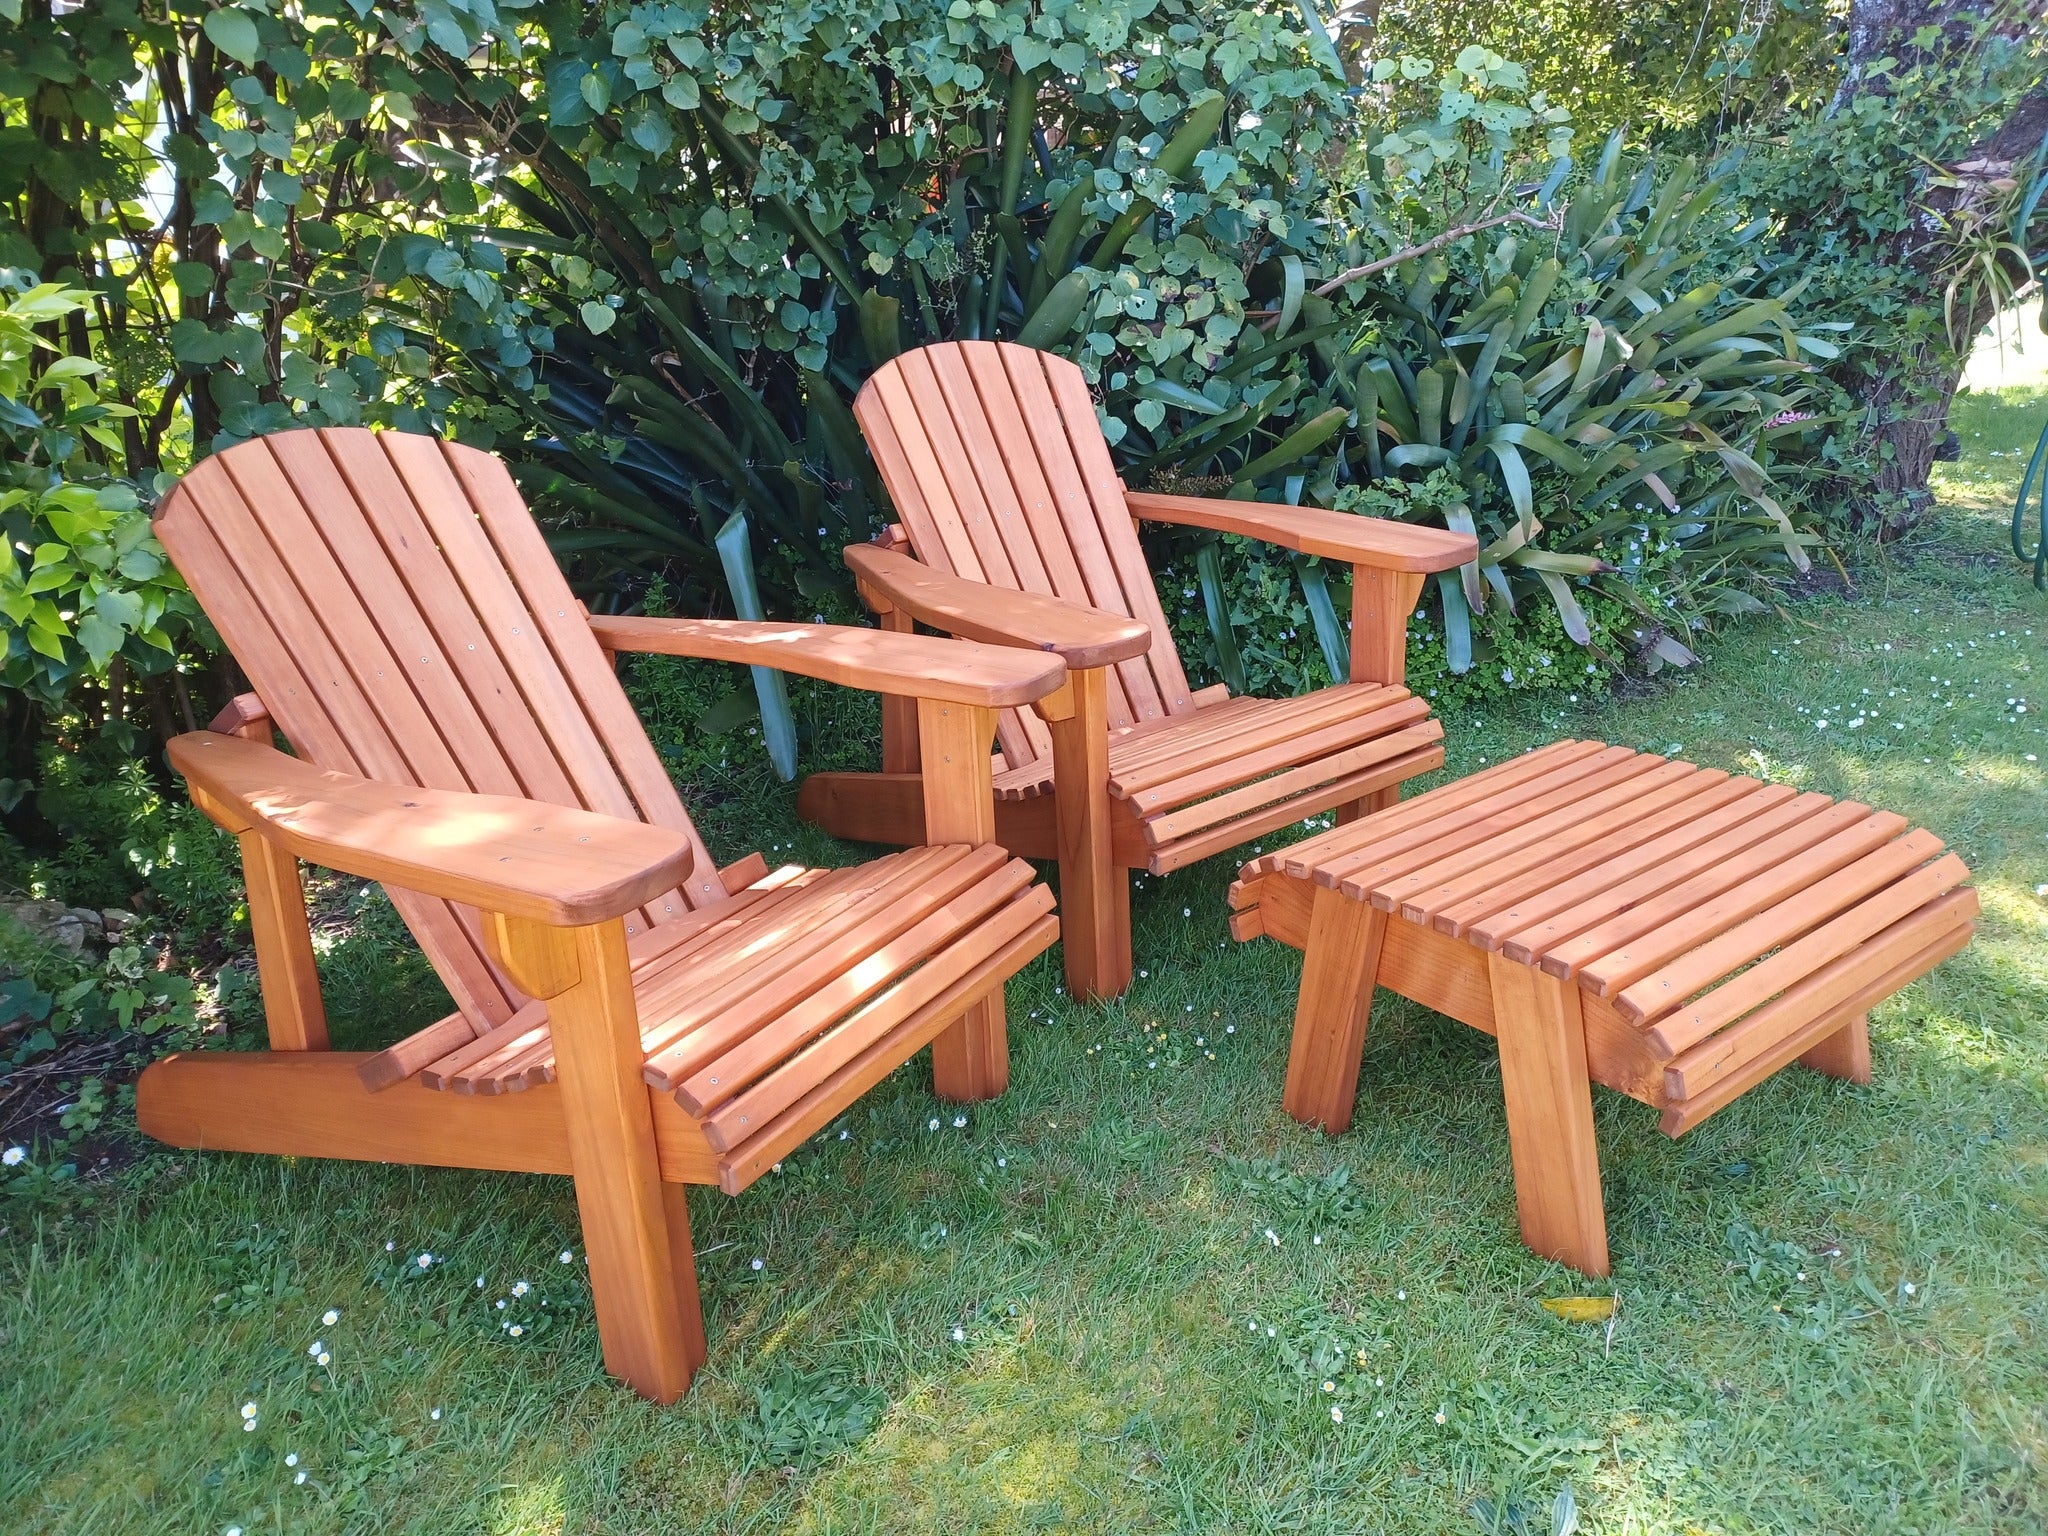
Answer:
(1024, 536)
(626, 1012)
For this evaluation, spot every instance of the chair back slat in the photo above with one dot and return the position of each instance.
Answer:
(998, 469)
(399, 614)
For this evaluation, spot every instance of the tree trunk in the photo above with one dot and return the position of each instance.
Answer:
(1908, 401)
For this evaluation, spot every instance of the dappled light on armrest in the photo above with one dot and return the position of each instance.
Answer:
(525, 858)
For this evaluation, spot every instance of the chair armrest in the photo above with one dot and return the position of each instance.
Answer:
(1370, 541)
(1082, 637)
(913, 666)
(524, 858)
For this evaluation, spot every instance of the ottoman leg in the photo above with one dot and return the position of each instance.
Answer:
(1550, 1114)
(1845, 1053)
(1338, 967)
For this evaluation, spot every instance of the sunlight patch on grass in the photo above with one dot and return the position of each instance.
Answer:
(528, 1508)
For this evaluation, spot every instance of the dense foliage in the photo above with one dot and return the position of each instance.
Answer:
(88, 589)
(649, 251)
(1900, 214)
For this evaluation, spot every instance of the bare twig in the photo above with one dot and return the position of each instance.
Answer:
(1436, 243)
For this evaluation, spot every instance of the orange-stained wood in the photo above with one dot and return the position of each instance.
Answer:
(1095, 893)
(1719, 929)
(970, 1060)
(1844, 1054)
(647, 1341)
(314, 1104)
(1332, 1011)
(973, 610)
(1371, 542)
(292, 1010)
(461, 735)
(541, 861)
(244, 715)
(1550, 1114)
(1024, 535)
(911, 666)
(899, 716)
(1381, 602)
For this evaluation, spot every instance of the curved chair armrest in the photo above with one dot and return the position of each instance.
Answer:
(1370, 541)
(913, 666)
(524, 858)
(1082, 637)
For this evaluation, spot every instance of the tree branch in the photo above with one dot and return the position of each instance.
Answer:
(1436, 243)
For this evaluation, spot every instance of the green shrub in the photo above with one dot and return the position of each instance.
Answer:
(734, 225)
(84, 585)
(1608, 404)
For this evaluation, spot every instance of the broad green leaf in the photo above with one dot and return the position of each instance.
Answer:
(1297, 445)
(1216, 610)
(234, 34)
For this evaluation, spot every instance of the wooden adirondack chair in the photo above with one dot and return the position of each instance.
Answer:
(1024, 536)
(626, 1012)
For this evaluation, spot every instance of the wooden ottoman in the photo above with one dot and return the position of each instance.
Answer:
(1676, 933)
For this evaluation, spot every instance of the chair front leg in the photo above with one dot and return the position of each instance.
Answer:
(900, 752)
(292, 1011)
(971, 1059)
(1095, 894)
(642, 1282)
(1381, 603)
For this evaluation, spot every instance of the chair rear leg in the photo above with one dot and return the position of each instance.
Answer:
(1845, 1053)
(1550, 1114)
(642, 1288)
(1333, 1009)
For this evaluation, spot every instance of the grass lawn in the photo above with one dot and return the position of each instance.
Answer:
(1111, 1300)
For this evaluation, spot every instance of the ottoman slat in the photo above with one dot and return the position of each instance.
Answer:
(1672, 932)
